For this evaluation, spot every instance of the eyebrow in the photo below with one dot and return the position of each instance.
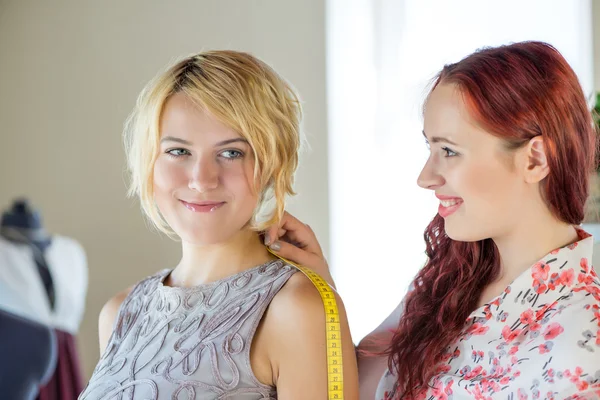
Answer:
(187, 143)
(438, 139)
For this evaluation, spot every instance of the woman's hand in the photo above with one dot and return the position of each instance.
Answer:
(294, 240)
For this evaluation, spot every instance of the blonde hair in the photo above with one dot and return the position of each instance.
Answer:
(245, 94)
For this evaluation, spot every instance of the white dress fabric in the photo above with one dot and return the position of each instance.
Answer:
(22, 291)
(540, 339)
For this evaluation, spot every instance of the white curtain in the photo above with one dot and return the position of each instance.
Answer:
(381, 55)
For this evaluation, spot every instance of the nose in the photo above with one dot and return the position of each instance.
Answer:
(205, 175)
(429, 178)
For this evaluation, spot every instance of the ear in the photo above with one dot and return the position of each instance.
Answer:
(536, 164)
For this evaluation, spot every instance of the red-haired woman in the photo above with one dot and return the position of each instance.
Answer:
(507, 305)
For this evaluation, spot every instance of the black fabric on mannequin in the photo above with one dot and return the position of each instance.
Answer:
(22, 224)
(26, 364)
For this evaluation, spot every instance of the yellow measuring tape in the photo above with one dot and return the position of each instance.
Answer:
(335, 371)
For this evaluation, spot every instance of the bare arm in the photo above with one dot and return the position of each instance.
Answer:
(371, 368)
(107, 318)
(297, 337)
(298, 243)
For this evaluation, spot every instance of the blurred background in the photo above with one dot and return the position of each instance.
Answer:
(70, 72)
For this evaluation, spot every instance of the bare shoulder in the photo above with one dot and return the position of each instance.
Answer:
(295, 325)
(298, 297)
(108, 315)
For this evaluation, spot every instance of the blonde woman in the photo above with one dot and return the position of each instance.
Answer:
(212, 148)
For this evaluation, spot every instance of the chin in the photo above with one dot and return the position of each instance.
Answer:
(201, 236)
(463, 234)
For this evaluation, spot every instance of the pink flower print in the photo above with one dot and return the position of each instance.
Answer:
(505, 380)
(593, 290)
(448, 388)
(442, 369)
(479, 329)
(585, 278)
(539, 286)
(509, 335)
(526, 317)
(534, 326)
(554, 281)
(553, 330)
(572, 245)
(545, 348)
(487, 312)
(540, 271)
(585, 265)
(517, 374)
(567, 277)
(522, 395)
(598, 338)
(567, 373)
(475, 372)
(541, 313)
(478, 394)
(438, 391)
(495, 387)
(513, 350)
(581, 385)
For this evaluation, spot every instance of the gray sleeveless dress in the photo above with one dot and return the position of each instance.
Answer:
(188, 343)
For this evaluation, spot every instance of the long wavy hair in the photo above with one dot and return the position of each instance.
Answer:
(515, 92)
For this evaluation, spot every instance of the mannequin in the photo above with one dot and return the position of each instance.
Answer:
(28, 356)
(23, 225)
(43, 279)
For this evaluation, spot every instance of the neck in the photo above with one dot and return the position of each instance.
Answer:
(533, 239)
(201, 264)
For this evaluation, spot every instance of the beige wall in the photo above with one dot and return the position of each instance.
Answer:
(69, 74)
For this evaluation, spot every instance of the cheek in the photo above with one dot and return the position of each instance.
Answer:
(488, 187)
(238, 179)
(167, 176)
(239, 185)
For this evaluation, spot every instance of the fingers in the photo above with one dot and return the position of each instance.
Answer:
(294, 231)
(295, 254)
(276, 231)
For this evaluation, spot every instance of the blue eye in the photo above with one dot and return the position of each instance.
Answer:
(449, 152)
(177, 152)
(231, 154)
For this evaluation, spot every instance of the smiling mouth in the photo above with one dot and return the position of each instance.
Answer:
(448, 207)
(450, 203)
(204, 207)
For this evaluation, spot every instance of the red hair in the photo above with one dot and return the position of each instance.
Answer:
(515, 92)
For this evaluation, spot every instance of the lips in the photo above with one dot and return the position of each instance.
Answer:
(448, 205)
(203, 206)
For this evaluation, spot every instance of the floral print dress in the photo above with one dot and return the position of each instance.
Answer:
(540, 339)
